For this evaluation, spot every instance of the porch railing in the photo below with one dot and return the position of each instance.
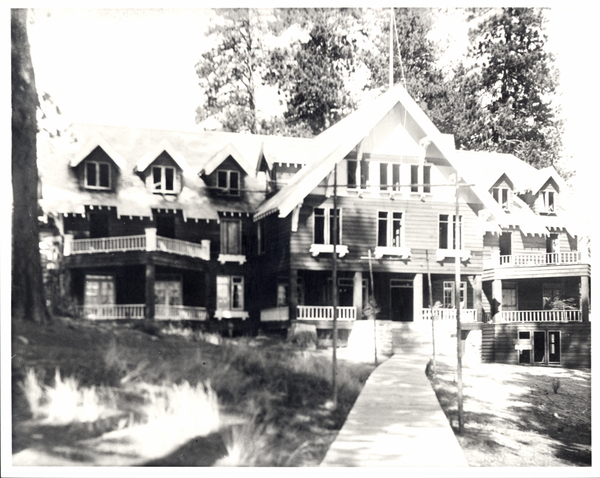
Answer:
(179, 312)
(538, 259)
(539, 316)
(112, 311)
(275, 314)
(108, 244)
(325, 312)
(184, 248)
(466, 315)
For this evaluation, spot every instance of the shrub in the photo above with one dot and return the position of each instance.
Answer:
(555, 384)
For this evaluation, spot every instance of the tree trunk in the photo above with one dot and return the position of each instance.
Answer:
(28, 301)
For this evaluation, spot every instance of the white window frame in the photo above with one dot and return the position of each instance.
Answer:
(420, 187)
(549, 206)
(450, 288)
(389, 185)
(232, 283)
(390, 220)
(97, 165)
(327, 233)
(227, 189)
(160, 187)
(498, 195)
(450, 233)
(361, 164)
(224, 243)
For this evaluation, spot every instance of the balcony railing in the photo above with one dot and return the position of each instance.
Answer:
(318, 312)
(276, 314)
(466, 315)
(136, 311)
(147, 242)
(539, 316)
(112, 311)
(539, 259)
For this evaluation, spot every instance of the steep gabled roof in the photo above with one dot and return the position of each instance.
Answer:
(229, 150)
(90, 145)
(156, 150)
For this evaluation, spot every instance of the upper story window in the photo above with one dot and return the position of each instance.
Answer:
(548, 201)
(450, 294)
(231, 236)
(389, 176)
(420, 178)
(323, 228)
(163, 179)
(447, 232)
(358, 174)
(230, 292)
(503, 197)
(97, 175)
(228, 182)
(390, 229)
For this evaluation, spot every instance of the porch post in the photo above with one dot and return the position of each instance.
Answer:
(496, 298)
(67, 244)
(585, 299)
(293, 303)
(150, 238)
(357, 301)
(477, 297)
(150, 280)
(418, 297)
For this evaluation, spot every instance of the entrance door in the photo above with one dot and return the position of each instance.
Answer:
(401, 300)
(539, 347)
(506, 244)
(552, 248)
(553, 347)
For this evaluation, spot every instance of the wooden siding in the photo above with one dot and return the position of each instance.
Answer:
(359, 233)
(499, 342)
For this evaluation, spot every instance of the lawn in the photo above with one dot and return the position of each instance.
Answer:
(520, 416)
(135, 394)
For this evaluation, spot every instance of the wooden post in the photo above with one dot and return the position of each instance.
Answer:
(293, 285)
(457, 247)
(335, 286)
(434, 368)
(150, 281)
(585, 299)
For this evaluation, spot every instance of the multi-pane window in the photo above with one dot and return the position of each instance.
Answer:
(548, 201)
(99, 290)
(358, 174)
(163, 179)
(420, 173)
(449, 294)
(389, 176)
(228, 182)
(231, 236)
(447, 232)
(389, 229)
(230, 293)
(502, 197)
(323, 226)
(97, 175)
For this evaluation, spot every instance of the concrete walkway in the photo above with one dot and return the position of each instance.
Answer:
(397, 421)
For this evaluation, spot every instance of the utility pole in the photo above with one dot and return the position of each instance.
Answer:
(391, 72)
(335, 288)
(457, 246)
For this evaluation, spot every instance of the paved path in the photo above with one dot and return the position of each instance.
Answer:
(397, 421)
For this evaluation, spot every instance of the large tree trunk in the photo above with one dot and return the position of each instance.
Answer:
(28, 301)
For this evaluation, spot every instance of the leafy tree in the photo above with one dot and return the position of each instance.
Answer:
(502, 101)
(28, 301)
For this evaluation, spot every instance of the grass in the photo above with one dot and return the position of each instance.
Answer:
(520, 416)
(255, 402)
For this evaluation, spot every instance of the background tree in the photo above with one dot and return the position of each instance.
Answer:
(27, 294)
(501, 94)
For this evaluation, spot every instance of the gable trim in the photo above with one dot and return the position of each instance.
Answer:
(97, 142)
(229, 150)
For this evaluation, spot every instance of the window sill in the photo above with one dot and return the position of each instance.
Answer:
(223, 258)
(463, 254)
(231, 314)
(316, 249)
(403, 252)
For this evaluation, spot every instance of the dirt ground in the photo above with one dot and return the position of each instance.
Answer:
(513, 417)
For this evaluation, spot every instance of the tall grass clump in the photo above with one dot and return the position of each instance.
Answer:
(34, 392)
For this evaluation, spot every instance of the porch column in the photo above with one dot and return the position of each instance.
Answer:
(357, 301)
(151, 239)
(293, 301)
(418, 297)
(150, 280)
(67, 245)
(585, 299)
(477, 297)
(496, 298)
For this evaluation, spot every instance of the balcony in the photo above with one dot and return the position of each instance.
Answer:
(325, 312)
(466, 315)
(508, 316)
(536, 259)
(136, 311)
(147, 242)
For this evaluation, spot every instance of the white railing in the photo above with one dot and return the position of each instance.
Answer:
(112, 311)
(179, 312)
(466, 315)
(276, 314)
(518, 260)
(184, 248)
(539, 316)
(108, 244)
(318, 312)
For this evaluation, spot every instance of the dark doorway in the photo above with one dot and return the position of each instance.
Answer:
(99, 225)
(506, 244)
(539, 347)
(401, 300)
(165, 226)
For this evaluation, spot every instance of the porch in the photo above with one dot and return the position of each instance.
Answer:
(308, 313)
(536, 259)
(507, 316)
(137, 311)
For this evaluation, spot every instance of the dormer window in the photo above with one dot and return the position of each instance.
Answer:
(502, 197)
(549, 201)
(358, 174)
(163, 179)
(97, 175)
(228, 182)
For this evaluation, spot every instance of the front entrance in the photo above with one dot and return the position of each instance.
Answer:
(401, 300)
(546, 347)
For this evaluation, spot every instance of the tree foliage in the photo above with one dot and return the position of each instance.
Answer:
(28, 302)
